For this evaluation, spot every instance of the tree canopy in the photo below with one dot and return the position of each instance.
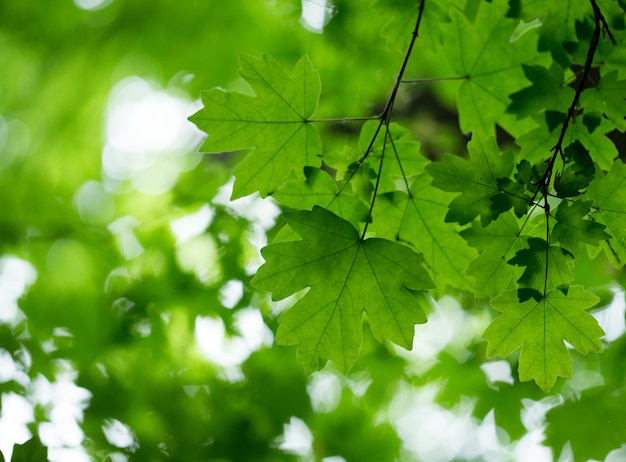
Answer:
(312, 230)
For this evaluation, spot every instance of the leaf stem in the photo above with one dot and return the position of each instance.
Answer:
(385, 116)
(600, 25)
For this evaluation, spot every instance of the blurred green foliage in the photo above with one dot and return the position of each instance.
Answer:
(113, 309)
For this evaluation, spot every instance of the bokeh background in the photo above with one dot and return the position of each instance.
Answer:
(128, 329)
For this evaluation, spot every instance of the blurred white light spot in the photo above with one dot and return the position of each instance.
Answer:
(91, 4)
(498, 371)
(611, 318)
(437, 434)
(230, 293)
(15, 413)
(66, 402)
(188, 226)
(316, 14)
(534, 412)
(63, 429)
(94, 205)
(224, 351)
(324, 389)
(617, 455)
(530, 449)
(253, 208)
(333, 459)
(296, 438)
(75, 454)
(8, 368)
(200, 256)
(119, 435)
(122, 229)
(16, 276)
(148, 138)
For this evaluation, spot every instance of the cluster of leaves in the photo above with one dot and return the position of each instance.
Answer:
(377, 223)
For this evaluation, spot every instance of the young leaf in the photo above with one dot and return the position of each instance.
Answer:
(539, 327)
(347, 276)
(475, 178)
(274, 123)
(572, 227)
(608, 193)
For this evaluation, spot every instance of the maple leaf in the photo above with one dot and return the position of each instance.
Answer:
(608, 193)
(572, 228)
(402, 153)
(475, 178)
(547, 92)
(555, 269)
(497, 243)
(319, 189)
(609, 98)
(539, 326)
(274, 123)
(485, 53)
(418, 219)
(347, 276)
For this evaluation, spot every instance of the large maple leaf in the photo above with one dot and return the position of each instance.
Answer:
(347, 276)
(539, 327)
(274, 123)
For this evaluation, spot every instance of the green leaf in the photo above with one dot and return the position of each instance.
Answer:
(483, 53)
(497, 243)
(572, 227)
(555, 270)
(608, 98)
(608, 193)
(539, 327)
(319, 189)
(547, 92)
(558, 24)
(536, 145)
(347, 276)
(418, 220)
(402, 159)
(475, 178)
(274, 123)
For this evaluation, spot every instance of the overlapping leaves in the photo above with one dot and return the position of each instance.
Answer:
(501, 224)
